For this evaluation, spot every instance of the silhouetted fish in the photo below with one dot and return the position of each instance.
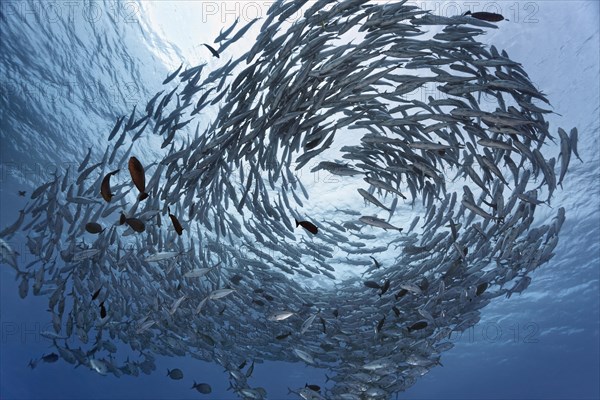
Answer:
(176, 224)
(213, 51)
(105, 186)
(309, 226)
(417, 326)
(93, 227)
(135, 224)
(203, 388)
(137, 175)
(485, 16)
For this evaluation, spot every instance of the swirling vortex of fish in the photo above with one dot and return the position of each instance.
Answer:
(373, 299)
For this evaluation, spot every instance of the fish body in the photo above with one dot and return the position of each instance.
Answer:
(309, 226)
(136, 170)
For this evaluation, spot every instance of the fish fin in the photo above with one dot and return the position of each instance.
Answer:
(467, 13)
(143, 196)
(297, 223)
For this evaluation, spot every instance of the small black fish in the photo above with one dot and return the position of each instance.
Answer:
(323, 323)
(175, 374)
(312, 144)
(175, 221)
(96, 293)
(93, 227)
(213, 51)
(385, 287)
(105, 186)
(481, 288)
(417, 326)
(283, 336)
(50, 358)
(136, 170)
(372, 285)
(122, 219)
(486, 16)
(203, 388)
(309, 226)
(242, 365)
(22, 193)
(102, 310)
(314, 388)
(136, 224)
(401, 293)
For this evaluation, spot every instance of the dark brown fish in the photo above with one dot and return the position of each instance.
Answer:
(93, 227)
(176, 224)
(401, 293)
(122, 219)
(309, 226)
(417, 325)
(486, 16)
(385, 287)
(481, 288)
(96, 293)
(136, 224)
(105, 186)
(136, 169)
(314, 388)
(102, 310)
(372, 285)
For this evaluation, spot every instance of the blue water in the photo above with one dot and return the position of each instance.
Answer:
(68, 69)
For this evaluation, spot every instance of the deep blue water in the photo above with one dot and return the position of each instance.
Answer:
(68, 69)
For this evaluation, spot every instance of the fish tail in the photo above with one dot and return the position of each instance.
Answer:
(143, 196)
(297, 223)
(168, 371)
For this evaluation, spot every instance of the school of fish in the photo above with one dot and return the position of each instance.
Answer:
(211, 252)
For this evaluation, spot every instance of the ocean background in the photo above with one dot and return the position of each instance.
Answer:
(68, 69)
